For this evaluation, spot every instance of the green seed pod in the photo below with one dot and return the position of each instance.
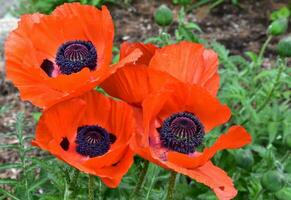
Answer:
(163, 16)
(284, 49)
(284, 194)
(272, 181)
(244, 159)
(278, 27)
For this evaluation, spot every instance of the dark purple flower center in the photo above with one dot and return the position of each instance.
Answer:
(73, 56)
(182, 132)
(93, 141)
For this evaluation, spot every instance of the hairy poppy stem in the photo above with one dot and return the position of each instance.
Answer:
(91, 187)
(171, 186)
(263, 49)
(141, 175)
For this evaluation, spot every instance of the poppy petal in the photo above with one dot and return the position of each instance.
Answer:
(148, 51)
(189, 62)
(236, 137)
(112, 175)
(133, 83)
(213, 177)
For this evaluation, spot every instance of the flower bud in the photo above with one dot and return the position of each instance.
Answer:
(278, 27)
(272, 181)
(244, 159)
(284, 49)
(163, 16)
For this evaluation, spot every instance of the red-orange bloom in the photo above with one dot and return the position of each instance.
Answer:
(91, 133)
(174, 122)
(186, 61)
(54, 57)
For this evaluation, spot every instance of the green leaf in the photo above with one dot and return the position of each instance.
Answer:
(8, 194)
(10, 166)
(253, 56)
(36, 116)
(193, 26)
(187, 34)
(8, 146)
(8, 181)
(38, 184)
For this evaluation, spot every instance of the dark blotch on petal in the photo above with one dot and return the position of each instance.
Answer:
(112, 138)
(221, 188)
(65, 144)
(47, 66)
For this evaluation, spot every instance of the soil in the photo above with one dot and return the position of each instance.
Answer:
(240, 29)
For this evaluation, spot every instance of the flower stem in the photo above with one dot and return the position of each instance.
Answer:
(263, 49)
(91, 187)
(171, 186)
(141, 175)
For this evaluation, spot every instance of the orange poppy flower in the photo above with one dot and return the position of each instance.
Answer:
(54, 57)
(186, 61)
(174, 122)
(92, 137)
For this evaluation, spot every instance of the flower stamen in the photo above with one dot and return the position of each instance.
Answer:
(182, 132)
(93, 141)
(73, 56)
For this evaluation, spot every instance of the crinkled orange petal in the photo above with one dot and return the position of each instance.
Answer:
(133, 83)
(213, 177)
(112, 175)
(112, 156)
(61, 121)
(148, 51)
(189, 62)
(236, 137)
